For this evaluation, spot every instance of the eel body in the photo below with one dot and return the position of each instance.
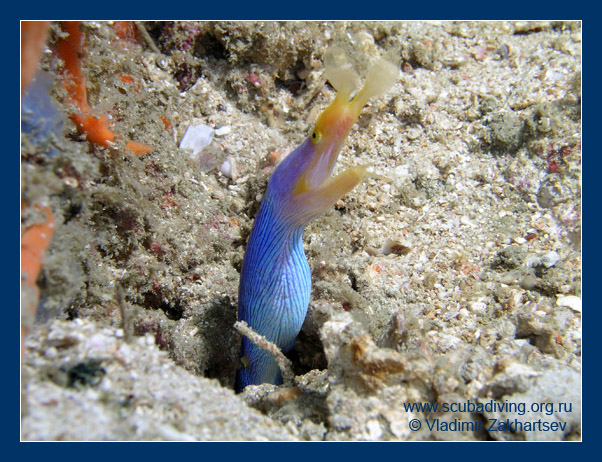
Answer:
(275, 282)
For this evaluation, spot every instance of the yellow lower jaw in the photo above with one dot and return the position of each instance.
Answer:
(312, 202)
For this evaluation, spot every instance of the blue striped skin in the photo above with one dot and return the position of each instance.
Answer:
(275, 281)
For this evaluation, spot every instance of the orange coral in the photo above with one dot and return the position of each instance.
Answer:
(36, 238)
(166, 122)
(34, 242)
(96, 128)
(126, 31)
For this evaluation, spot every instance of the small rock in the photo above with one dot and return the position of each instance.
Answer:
(466, 221)
(510, 257)
(505, 132)
(478, 307)
(229, 168)
(196, 138)
(529, 282)
(570, 301)
(414, 133)
(395, 246)
(552, 192)
(374, 430)
(550, 259)
(223, 130)
(51, 353)
(510, 277)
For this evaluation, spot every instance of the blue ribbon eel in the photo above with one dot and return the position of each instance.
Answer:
(275, 281)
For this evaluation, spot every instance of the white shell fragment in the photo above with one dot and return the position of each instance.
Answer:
(223, 130)
(229, 168)
(570, 301)
(550, 259)
(196, 138)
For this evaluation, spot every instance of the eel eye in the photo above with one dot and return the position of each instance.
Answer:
(316, 136)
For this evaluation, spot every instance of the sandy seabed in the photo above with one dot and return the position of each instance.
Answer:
(451, 277)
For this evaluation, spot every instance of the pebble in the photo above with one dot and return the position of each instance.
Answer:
(414, 133)
(196, 138)
(478, 307)
(229, 168)
(529, 282)
(466, 221)
(395, 246)
(510, 277)
(400, 428)
(570, 301)
(550, 259)
(51, 353)
(374, 430)
(223, 130)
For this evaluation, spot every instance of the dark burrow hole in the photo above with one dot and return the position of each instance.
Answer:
(308, 352)
(72, 211)
(543, 342)
(221, 340)
(173, 310)
(306, 355)
(186, 75)
(292, 82)
(209, 45)
(87, 373)
(294, 86)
